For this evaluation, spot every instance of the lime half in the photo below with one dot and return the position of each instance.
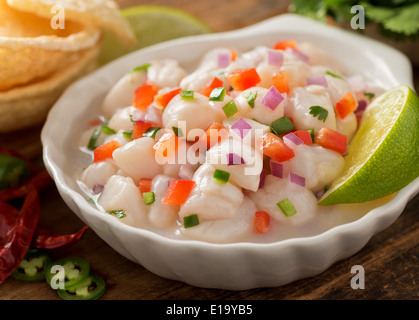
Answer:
(152, 24)
(384, 155)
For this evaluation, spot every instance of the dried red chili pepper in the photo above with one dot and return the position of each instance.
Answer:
(39, 180)
(17, 241)
(8, 216)
(44, 239)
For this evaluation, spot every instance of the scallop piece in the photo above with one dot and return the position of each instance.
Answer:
(118, 136)
(258, 111)
(347, 126)
(122, 93)
(197, 113)
(121, 120)
(319, 166)
(160, 214)
(166, 73)
(120, 194)
(211, 199)
(318, 56)
(297, 72)
(234, 229)
(337, 88)
(243, 162)
(98, 173)
(276, 190)
(137, 159)
(299, 103)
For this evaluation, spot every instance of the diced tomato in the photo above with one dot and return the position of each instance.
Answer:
(242, 79)
(145, 185)
(167, 145)
(144, 96)
(305, 136)
(275, 148)
(105, 151)
(261, 222)
(282, 45)
(163, 99)
(213, 135)
(346, 105)
(280, 81)
(178, 191)
(139, 128)
(215, 83)
(331, 139)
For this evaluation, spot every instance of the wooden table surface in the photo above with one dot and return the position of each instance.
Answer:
(390, 259)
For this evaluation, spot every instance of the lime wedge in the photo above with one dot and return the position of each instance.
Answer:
(152, 24)
(384, 155)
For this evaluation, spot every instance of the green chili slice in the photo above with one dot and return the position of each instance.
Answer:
(76, 270)
(91, 288)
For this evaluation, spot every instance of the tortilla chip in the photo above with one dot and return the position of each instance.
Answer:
(29, 105)
(100, 13)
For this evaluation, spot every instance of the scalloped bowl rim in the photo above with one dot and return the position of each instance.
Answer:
(368, 225)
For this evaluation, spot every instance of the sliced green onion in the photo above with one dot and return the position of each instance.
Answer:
(143, 67)
(250, 97)
(127, 134)
(221, 176)
(151, 132)
(282, 125)
(230, 109)
(92, 142)
(187, 94)
(149, 197)
(190, 221)
(311, 134)
(370, 95)
(178, 132)
(217, 94)
(107, 130)
(286, 207)
(118, 213)
(335, 75)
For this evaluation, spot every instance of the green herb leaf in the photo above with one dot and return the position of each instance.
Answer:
(118, 213)
(319, 112)
(250, 97)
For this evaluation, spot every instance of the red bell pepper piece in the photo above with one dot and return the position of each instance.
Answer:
(330, 139)
(305, 136)
(346, 105)
(242, 79)
(145, 185)
(280, 81)
(261, 222)
(178, 191)
(139, 128)
(105, 151)
(163, 99)
(16, 243)
(144, 96)
(216, 83)
(275, 148)
(284, 44)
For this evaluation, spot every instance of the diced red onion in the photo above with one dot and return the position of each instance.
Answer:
(295, 178)
(293, 138)
(186, 172)
(138, 115)
(299, 55)
(224, 60)
(275, 58)
(262, 178)
(241, 127)
(97, 188)
(234, 159)
(153, 115)
(319, 80)
(362, 105)
(277, 169)
(272, 98)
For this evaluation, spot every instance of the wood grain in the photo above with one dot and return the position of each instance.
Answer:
(390, 259)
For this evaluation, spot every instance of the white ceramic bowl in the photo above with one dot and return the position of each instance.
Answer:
(235, 266)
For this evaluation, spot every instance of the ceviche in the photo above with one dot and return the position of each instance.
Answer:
(241, 147)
